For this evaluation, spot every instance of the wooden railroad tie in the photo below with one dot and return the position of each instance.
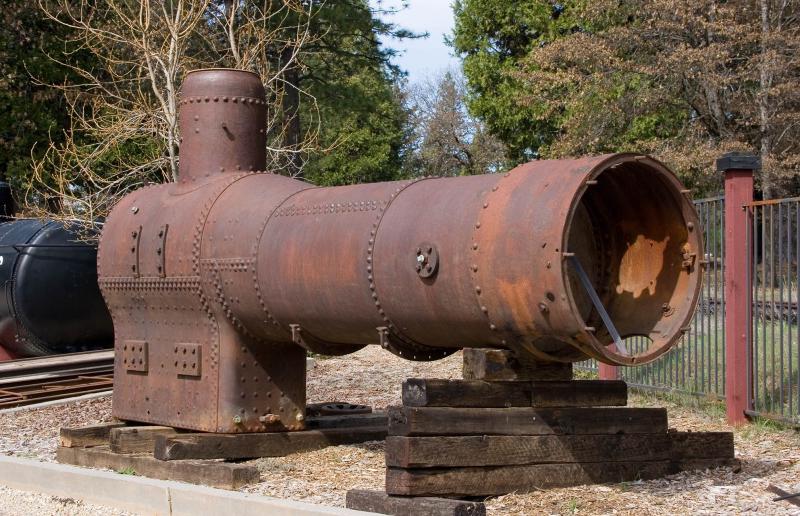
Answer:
(500, 364)
(382, 503)
(419, 392)
(172, 454)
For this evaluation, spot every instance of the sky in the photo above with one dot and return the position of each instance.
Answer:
(422, 57)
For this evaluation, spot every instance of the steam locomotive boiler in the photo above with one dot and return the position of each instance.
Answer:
(220, 283)
(49, 301)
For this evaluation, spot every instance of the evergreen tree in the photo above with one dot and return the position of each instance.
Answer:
(31, 113)
(492, 37)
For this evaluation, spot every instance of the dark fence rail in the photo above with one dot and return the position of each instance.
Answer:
(774, 346)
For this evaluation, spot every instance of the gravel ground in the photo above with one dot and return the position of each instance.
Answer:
(373, 377)
(25, 503)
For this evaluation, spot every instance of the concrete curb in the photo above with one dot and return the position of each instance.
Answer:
(145, 495)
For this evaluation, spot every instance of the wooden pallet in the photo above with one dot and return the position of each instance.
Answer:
(475, 438)
(202, 458)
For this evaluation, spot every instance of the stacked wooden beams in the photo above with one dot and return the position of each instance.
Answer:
(466, 438)
(173, 454)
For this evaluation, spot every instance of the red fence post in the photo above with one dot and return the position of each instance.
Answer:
(607, 372)
(738, 169)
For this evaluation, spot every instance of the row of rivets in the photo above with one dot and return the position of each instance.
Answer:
(235, 100)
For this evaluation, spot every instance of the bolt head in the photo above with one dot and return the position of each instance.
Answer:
(237, 419)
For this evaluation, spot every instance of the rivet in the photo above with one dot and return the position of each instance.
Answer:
(492, 327)
(478, 225)
(484, 310)
(474, 268)
(475, 246)
(477, 290)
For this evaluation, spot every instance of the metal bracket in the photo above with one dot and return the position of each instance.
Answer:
(187, 359)
(134, 355)
(296, 337)
(587, 284)
(688, 260)
(383, 336)
(137, 237)
(162, 251)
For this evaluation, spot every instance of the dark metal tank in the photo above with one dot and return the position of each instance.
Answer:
(50, 302)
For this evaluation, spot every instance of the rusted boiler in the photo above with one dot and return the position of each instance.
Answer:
(220, 283)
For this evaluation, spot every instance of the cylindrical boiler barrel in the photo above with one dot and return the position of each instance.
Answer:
(428, 266)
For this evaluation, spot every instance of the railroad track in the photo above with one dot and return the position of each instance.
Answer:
(35, 380)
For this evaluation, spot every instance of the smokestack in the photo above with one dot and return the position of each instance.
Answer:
(222, 118)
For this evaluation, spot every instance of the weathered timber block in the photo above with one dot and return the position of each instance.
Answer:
(490, 481)
(701, 445)
(209, 473)
(374, 419)
(90, 435)
(250, 446)
(138, 439)
(505, 450)
(419, 392)
(381, 503)
(437, 421)
(499, 364)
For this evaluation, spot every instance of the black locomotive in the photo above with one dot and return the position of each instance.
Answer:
(49, 302)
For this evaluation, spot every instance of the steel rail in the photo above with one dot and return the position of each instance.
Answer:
(35, 380)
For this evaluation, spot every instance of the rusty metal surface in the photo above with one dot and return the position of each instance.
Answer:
(222, 123)
(249, 270)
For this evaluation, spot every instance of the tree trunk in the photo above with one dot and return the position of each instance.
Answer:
(763, 103)
(291, 115)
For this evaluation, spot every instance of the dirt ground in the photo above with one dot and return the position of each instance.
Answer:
(372, 376)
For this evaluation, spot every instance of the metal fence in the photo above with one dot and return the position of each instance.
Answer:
(774, 346)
